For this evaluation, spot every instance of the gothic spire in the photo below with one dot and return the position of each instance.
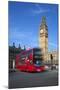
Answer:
(43, 23)
(24, 47)
(44, 20)
(13, 44)
(19, 46)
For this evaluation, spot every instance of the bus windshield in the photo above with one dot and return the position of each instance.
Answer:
(37, 54)
(37, 57)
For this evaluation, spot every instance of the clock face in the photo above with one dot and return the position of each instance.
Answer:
(41, 31)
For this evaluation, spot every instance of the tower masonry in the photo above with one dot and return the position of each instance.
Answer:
(43, 37)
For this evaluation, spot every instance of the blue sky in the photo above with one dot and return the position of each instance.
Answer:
(25, 20)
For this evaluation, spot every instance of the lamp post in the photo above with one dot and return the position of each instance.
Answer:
(51, 61)
(13, 56)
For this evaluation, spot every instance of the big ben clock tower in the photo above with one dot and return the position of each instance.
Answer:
(43, 37)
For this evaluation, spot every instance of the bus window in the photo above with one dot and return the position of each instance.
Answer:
(21, 62)
(31, 62)
(38, 63)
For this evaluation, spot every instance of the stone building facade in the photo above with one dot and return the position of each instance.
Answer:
(43, 44)
(13, 51)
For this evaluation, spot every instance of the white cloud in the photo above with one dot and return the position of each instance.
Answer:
(39, 10)
(52, 44)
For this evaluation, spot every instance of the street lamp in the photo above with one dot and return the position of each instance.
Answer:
(51, 61)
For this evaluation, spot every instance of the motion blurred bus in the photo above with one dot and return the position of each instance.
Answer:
(30, 60)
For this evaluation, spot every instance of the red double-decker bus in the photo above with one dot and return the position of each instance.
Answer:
(30, 60)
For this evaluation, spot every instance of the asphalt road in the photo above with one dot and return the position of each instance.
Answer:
(25, 79)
